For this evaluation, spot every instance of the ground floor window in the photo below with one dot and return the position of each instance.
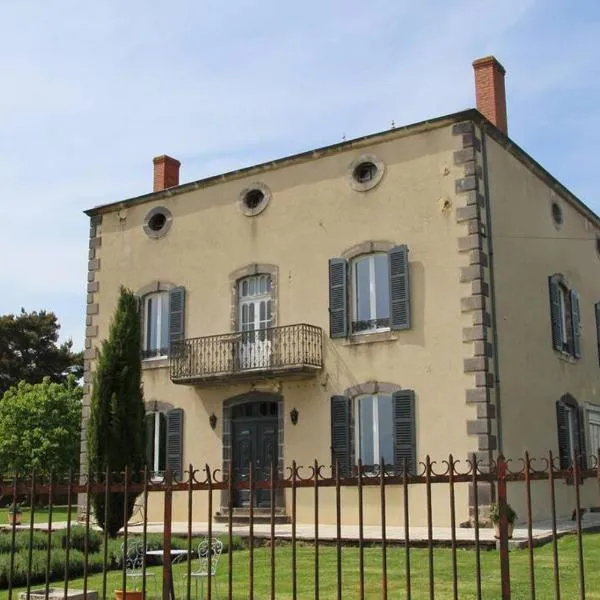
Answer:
(164, 442)
(593, 429)
(374, 429)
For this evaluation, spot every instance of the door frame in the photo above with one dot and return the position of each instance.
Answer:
(251, 397)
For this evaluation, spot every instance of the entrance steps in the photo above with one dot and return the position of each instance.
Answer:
(261, 516)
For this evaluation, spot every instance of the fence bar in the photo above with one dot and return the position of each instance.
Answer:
(31, 523)
(554, 536)
(251, 532)
(453, 526)
(361, 550)
(13, 531)
(384, 591)
(209, 478)
(578, 516)
(49, 538)
(106, 507)
(145, 530)
(294, 492)
(125, 532)
(230, 531)
(529, 525)
(68, 532)
(272, 556)
(338, 530)
(188, 574)
(168, 515)
(475, 483)
(316, 500)
(87, 536)
(406, 528)
(502, 503)
(429, 528)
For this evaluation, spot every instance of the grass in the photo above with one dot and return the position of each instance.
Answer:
(396, 573)
(40, 516)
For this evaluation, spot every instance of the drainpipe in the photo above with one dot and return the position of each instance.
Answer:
(490, 249)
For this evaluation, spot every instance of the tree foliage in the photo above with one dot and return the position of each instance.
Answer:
(29, 350)
(116, 430)
(40, 427)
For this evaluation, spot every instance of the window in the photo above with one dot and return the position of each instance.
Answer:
(157, 222)
(597, 311)
(365, 172)
(164, 442)
(254, 199)
(593, 429)
(371, 293)
(571, 433)
(565, 317)
(163, 320)
(156, 443)
(370, 427)
(374, 429)
(156, 325)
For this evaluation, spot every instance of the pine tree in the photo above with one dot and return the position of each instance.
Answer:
(116, 429)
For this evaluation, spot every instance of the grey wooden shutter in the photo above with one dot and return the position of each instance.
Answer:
(176, 314)
(399, 288)
(150, 441)
(597, 308)
(575, 320)
(340, 434)
(405, 435)
(175, 442)
(562, 426)
(338, 297)
(555, 314)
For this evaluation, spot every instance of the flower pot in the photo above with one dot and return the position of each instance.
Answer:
(128, 595)
(497, 530)
(14, 517)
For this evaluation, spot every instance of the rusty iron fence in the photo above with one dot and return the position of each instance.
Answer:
(210, 488)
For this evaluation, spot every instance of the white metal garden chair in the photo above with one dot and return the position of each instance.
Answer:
(206, 548)
(134, 562)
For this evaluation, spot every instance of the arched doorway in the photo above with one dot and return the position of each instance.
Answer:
(254, 442)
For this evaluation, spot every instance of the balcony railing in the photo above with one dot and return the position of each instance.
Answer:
(271, 351)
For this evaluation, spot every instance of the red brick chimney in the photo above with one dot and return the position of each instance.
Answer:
(166, 172)
(489, 91)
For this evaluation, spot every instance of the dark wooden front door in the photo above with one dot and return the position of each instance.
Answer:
(254, 429)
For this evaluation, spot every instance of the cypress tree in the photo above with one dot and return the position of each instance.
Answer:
(116, 428)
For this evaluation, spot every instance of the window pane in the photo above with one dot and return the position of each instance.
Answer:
(386, 430)
(365, 416)
(382, 287)
(362, 290)
(151, 324)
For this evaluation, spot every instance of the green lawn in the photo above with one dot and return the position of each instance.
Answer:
(396, 566)
(59, 513)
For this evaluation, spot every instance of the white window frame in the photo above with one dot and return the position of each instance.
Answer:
(357, 425)
(570, 416)
(372, 293)
(562, 294)
(156, 472)
(159, 323)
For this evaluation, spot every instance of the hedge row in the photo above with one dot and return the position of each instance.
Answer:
(76, 556)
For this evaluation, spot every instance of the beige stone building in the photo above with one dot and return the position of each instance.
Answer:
(429, 289)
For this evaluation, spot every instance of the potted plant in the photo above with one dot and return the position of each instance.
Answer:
(15, 514)
(129, 595)
(494, 515)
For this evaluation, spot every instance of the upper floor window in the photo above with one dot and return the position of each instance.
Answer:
(163, 317)
(372, 295)
(156, 325)
(565, 317)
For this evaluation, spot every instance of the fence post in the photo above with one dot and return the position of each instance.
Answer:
(167, 575)
(502, 502)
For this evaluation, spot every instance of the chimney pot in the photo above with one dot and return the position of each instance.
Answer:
(166, 172)
(489, 91)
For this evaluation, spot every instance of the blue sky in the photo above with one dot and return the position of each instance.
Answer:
(91, 91)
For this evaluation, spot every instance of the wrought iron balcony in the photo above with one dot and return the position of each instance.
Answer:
(292, 349)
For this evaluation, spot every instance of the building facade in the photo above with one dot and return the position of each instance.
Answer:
(423, 291)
